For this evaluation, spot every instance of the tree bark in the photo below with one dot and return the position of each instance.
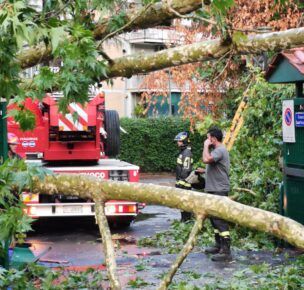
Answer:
(157, 14)
(201, 51)
(204, 51)
(190, 201)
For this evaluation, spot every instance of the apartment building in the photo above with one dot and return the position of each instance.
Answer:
(124, 94)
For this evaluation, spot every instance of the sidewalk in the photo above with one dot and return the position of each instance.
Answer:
(163, 178)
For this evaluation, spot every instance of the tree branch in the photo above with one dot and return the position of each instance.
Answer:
(108, 247)
(246, 190)
(205, 50)
(184, 253)
(124, 28)
(190, 16)
(156, 14)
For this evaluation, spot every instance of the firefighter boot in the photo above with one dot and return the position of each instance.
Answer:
(225, 254)
(217, 247)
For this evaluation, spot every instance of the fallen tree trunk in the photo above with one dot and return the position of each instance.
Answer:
(201, 51)
(190, 201)
(204, 51)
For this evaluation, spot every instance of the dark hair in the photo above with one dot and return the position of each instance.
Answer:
(216, 132)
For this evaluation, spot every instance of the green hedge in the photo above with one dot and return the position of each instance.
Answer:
(149, 143)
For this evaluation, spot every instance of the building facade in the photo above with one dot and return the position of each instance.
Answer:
(124, 94)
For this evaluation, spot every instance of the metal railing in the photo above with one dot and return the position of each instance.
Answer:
(155, 35)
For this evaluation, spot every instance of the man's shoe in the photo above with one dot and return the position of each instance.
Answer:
(212, 250)
(225, 254)
(222, 257)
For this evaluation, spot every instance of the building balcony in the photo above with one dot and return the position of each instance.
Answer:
(161, 35)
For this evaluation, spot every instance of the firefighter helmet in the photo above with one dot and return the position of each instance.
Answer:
(183, 137)
(12, 139)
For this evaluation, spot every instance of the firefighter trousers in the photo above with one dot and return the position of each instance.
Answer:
(185, 216)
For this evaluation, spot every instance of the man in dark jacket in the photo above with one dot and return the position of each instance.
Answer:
(183, 167)
(216, 156)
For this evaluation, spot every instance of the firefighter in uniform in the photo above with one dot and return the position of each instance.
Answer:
(183, 167)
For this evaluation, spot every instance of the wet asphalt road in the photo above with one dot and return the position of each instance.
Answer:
(67, 236)
(81, 236)
(76, 242)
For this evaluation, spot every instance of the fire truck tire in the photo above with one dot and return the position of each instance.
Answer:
(112, 127)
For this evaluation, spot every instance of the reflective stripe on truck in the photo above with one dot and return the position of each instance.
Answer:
(79, 209)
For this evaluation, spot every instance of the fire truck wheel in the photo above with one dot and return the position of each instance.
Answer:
(112, 127)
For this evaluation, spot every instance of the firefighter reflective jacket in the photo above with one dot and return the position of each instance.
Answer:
(184, 167)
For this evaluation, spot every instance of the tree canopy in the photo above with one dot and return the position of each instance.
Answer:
(73, 33)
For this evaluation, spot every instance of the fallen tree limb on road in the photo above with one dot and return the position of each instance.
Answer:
(196, 202)
(199, 203)
(107, 244)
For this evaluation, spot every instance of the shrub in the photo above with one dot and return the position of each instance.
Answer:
(149, 143)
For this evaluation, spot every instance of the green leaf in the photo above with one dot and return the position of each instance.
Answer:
(25, 118)
(57, 34)
(117, 21)
(45, 80)
(223, 5)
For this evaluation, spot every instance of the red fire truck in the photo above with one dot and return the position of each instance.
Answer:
(79, 141)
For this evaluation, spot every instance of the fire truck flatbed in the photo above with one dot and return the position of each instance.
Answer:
(106, 166)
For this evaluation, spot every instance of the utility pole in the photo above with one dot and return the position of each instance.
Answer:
(3, 131)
